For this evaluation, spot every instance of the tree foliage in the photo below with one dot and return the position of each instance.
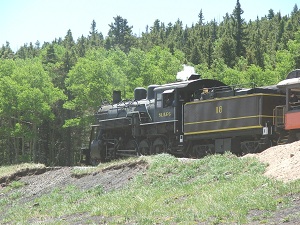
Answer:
(27, 97)
(49, 92)
(120, 34)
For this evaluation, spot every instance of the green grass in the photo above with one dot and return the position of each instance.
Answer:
(219, 189)
(14, 185)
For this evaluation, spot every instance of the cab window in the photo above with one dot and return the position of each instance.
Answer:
(158, 100)
(168, 99)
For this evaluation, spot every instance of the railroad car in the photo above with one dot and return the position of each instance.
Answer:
(287, 116)
(196, 117)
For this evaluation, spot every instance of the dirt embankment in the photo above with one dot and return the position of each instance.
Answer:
(283, 161)
(283, 164)
(39, 182)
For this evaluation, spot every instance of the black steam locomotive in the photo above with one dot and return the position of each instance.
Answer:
(193, 118)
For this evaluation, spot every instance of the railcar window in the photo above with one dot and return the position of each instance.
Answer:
(294, 98)
(158, 100)
(294, 101)
(168, 100)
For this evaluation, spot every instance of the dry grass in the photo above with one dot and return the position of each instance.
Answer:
(9, 170)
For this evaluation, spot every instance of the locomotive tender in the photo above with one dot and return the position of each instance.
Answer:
(196, 117)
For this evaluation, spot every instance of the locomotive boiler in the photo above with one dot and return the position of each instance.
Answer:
(193, 118)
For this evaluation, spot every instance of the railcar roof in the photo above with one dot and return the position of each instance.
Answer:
(292, 84)
(289, 83)
(293, 74)
(199, 83)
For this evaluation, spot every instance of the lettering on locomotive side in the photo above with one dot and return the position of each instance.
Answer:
(164, 114)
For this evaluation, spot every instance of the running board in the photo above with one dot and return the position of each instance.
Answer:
(127, 153)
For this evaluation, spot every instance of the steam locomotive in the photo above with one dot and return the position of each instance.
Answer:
(194, 118)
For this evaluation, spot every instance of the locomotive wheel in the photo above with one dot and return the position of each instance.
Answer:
(159, 146)
(132, 148)
(250, 147)
(95, 162)
(199, 151)
(144, 147)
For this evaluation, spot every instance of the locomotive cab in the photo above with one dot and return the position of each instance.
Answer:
(164, 107)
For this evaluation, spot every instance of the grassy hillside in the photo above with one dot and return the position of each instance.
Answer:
(219, 189)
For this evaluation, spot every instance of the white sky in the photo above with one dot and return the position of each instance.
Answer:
(25, 21)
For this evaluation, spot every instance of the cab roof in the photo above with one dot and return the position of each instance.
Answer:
(191, 84)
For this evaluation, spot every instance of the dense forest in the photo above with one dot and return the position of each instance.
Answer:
(49, 92)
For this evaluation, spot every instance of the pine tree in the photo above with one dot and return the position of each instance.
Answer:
(81, 47)
(258, 48)
(214, 31)
(68, 41)
(201, 18)
(120, 34)
(95, 38)
(6, 52)
(50, 56)
(295, 10)
(271, 14)
(239, 31)
(209, 53)
(228, 54)
(195, 56)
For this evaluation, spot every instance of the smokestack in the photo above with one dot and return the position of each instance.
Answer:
(116, 97)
